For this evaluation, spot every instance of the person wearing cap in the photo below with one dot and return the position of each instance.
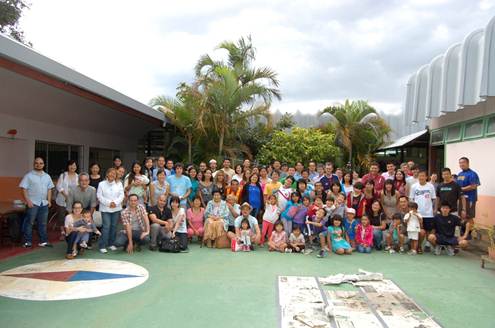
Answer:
(213, 165)
(253, 224)
(350, 223)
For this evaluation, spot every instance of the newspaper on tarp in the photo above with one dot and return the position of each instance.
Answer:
(374, 302)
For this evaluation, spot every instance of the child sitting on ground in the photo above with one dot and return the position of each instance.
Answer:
(336, 237)
(364, 235)
(296, 241)
(278, 239)
(86, 222)
(350, 224)
(244, 242)
(414, 221)
(270, 216)
(395, 236)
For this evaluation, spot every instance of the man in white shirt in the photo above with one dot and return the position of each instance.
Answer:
(390, 174)
(423, 193)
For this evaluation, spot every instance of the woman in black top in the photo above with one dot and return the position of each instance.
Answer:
(94, 176)
(379, 223)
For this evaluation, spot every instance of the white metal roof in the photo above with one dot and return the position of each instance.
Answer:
(464, 75)
(26, 56)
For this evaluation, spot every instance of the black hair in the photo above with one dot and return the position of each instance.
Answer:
(177, 165)
(245, 221)
(358, 185)
(132, 195)
(445, 204)
(132, 174)
(397, 216)
(413, 205)
(70, 162)
(446, 169)
(175, 199)
(464, 158)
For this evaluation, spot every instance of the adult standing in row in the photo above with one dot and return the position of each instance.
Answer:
(469, 181)
(180, 185)
(159, 187)
(110, 194)
(160, 165)
(95, 175)
(66, 180)
(449, 192)
(36, 188)
(83, 193)
(329, 177)
(375, 176)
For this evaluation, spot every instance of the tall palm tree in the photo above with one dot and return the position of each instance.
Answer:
(234, 90)
(357, 126)
(185, 112)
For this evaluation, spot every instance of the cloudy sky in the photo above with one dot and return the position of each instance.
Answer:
(324, 51)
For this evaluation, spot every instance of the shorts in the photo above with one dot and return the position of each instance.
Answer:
(444, 240)
(413, 235)
(428, 224)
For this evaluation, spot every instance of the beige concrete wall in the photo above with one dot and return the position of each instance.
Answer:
(480, 154)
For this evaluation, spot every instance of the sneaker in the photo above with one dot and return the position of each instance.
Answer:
(45, 244)
(27, 245)
(307, 251)
(112, 248)
(450, 251)
(388, 248)
(401, 250)
(83, 244)
(103, 250)
(438, 250)
(153, 248)
(74, 253)
(288, 250)
(391, 251)
(412, 252)
(321, 254)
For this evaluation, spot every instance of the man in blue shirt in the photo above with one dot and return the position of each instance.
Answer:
(469, 181)
(180, 185)
(37, 191)
(329, 177)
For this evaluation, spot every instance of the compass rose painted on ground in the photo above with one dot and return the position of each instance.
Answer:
(65, 280)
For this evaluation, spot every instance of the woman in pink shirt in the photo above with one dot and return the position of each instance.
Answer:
(195, 216)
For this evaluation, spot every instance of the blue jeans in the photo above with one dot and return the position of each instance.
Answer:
(71, 240)
(40, 214)
(362, 249)
(377, 237)
(122, 238)
(109, 228)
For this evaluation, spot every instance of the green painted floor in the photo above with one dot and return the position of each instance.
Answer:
(217, 288)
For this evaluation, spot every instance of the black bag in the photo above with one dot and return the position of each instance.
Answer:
(170, 246)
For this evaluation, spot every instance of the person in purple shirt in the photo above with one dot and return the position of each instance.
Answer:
(469, 181)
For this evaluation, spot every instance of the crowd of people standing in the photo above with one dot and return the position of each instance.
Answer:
(298, 208)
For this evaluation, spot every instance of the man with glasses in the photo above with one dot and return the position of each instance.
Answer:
(37, 192)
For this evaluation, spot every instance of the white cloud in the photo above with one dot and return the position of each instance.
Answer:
(324, 51)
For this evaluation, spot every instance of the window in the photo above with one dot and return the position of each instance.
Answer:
(437, 137)
(490, 126)
(103, 157)
(473, 129)
(56, 156)
(454, 133)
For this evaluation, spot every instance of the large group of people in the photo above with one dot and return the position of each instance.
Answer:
(291, 209)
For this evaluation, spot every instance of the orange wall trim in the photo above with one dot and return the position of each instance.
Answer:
(485, 211)
(9, 189)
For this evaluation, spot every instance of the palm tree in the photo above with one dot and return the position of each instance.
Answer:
(356, 125)
(185, 112)
(235, 91)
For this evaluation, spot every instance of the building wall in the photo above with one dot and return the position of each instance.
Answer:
(469, 112)
(477, 152)
(17, 154)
